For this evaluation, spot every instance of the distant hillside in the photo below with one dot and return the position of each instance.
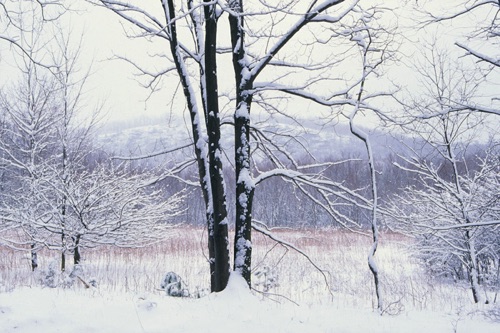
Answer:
(152, 135)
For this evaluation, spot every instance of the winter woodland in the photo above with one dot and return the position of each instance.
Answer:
(340, 154)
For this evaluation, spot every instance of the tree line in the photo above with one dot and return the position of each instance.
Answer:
(330, 55)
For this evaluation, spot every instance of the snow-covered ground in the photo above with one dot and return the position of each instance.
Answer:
(128, 296)
(236, 309)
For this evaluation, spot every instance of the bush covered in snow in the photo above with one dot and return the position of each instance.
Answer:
(52, 277)
(174, 286)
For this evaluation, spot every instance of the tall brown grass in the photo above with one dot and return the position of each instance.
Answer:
(341, 255)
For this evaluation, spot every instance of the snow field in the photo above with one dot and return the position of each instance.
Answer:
(128, 298)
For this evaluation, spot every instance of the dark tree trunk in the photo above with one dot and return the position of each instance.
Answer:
(209, 167)
(63, 260)
(221, 241)
(473, 269)
(76, 254)
(201, 156)
(63, 224)
(244, 183)
(34, 258)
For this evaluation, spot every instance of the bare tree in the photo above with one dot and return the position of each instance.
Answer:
(26, 145)
(365, 38)
(74, 130)
(480, 43)
(19, 18)
(262, 41)
(54, 198)
(111, 205)
(454, 207)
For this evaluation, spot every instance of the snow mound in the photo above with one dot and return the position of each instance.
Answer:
(237, 291)
(235, 309)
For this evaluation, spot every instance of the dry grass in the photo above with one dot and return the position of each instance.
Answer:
(341, 255)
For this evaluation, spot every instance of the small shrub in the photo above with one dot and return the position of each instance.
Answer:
(93, 282)
(50, 277)
(200, 292)
(174, 286)
(266, 278)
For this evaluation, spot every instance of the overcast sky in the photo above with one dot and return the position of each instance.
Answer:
(114, 81)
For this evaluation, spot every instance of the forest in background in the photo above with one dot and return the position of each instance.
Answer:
(427, 165)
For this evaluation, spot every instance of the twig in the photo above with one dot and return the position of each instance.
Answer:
(293, 247)
(85, 283)
(267, 294)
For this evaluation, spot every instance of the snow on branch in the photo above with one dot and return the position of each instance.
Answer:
(297, 91)
(324, 185)
(464, 225)
(306, 18)
(142, 157)
(468, 7)
(481, 56)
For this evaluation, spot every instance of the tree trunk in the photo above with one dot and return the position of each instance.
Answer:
(63, 261)
(471, 246)
(220, 231)
(199, 143)
(244, 193)
(363, 136)
(63, 243)
(34, 258)
(473, 269)
(244, 184)
(76, 254)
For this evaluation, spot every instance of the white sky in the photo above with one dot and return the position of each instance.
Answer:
(114, 81)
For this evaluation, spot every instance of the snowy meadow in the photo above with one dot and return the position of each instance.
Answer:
(321, 166)
(289, 293)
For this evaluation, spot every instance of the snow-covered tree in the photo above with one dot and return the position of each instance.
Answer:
(374, 53)
(480, 41)
(276, 56)
(56, 193)
(75, 132)
(26, 146)
(18, 18)
(453, 210)
(109, 205)
(455, 222)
